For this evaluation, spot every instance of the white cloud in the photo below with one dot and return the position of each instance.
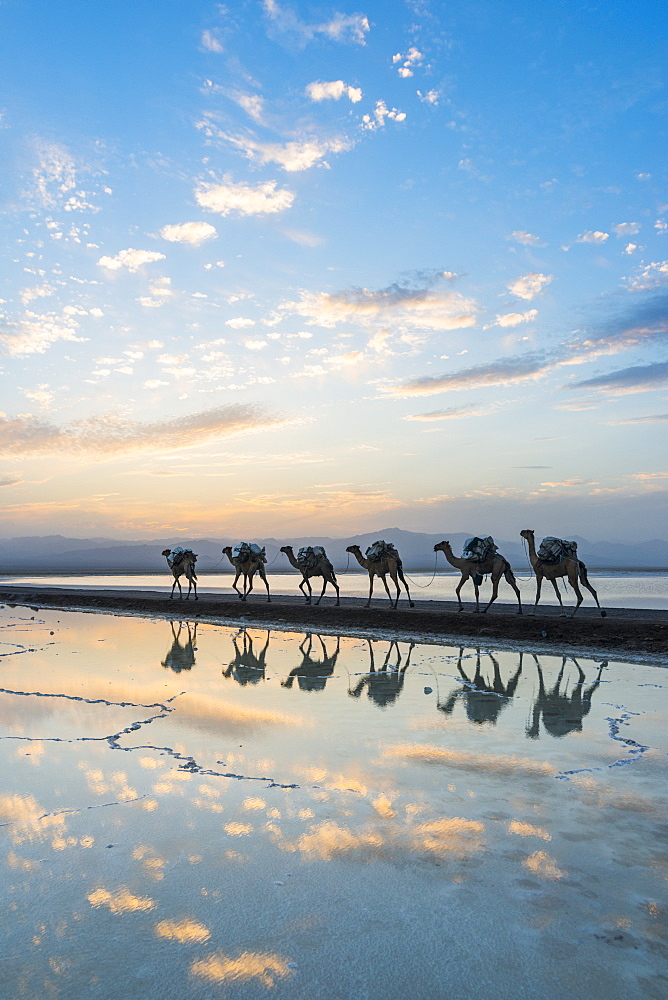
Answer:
(333, 90)
(292, 156)
(36, 292)
(504, 372)
(245, 199)
(626, 229)
(380, 113)
(255, 345)
(340, 28)
(651, 276)
(41, 395)
(109, 435)
(431, 97)
(529, 285)
(194, 233)
(239, 322)
(408, 61)
(630, 248)
(514, 319)
(526, 239)
(592, 237)
(160, 291)
(661, 226)
(36, 333)
(253, 105)
(210, 42)
(131, 259)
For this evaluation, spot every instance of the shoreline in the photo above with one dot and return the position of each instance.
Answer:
(623, 632)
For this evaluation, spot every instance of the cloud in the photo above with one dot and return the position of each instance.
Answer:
(529, 285)
(626, 229)
(110, 435)
(333, 90)
(645, 323)
(381, 112)
(245, 199)
(194, 233)
(346, 28)
(526, 239)
(504, 372)
(592, 237)
(304, 238)
(514, 319)
(210, 42)
(652, 418)
(253, 105)
(452, 413)
(639, 378)
(397, 308)
(408, 61)
(37, 332)
(651, 276)
(160, 290)
(131, 259)
(431, 97)
(239, 322)
(292, 156)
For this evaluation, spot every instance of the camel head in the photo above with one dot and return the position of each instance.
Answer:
(353, 548)
(287, 549)
(527, 533)
(442, 546)
(227, 551)
(166, 552)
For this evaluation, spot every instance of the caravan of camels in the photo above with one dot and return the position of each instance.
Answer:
(554, 559)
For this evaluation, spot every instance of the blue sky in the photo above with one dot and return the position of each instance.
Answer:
(276, 268)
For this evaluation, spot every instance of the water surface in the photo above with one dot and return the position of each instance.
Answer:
(197, 811)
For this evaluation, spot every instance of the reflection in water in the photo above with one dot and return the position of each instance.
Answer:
(181, 657)
(385, 685)
(246, 667)
(484, 691)
(562, 712)
(484, 699)
(312, 674)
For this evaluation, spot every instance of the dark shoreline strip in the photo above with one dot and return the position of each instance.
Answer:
(623, 632)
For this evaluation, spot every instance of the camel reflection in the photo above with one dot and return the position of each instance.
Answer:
(312, 674)
(562, 711)
(247, 667)
(384, 686)
(484, 699)
(181, 656)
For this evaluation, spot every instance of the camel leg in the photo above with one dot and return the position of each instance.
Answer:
(173, 585)
(495, 591)
(263, 576)
(248, 584)
(301, 587)
(476, 587)
(195, 589)
(510, 578)
(371, 576)
(234, 585)
(387, 591)
(338, 593)
(573, 580)
(539, 584)
(584, 580)
(180, 588)
(324, 585)
(558, 593)
(457, 590)
(408, 593)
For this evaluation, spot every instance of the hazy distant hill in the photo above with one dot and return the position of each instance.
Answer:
(57, 554)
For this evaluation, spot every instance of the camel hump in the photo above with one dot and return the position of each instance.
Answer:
(479, 548)
(555, 550)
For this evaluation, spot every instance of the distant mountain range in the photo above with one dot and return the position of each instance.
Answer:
(57, 554)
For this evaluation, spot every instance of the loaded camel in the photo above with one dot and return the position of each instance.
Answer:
(183, 566)
(247, 667)
(572, 568)
(252, 564)
(484, 699)
(563, 712)
(313, 674)
(181, 657)
(384, 686)
(387, 565)
(322, 567)
(494, 565)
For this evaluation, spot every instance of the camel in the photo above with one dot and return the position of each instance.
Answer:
(484, 699)
(247, 667)
(573, 569)
(384, 686)
(495, 566)
(312, 674)
(562, 712)
(253, 564)
(184, 567)
(388, 565)
(322, 567)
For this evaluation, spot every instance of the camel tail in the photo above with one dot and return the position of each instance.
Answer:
(582, 572)
(508, 572)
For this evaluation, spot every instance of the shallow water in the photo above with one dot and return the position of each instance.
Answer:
(203, 812)
(615, 589)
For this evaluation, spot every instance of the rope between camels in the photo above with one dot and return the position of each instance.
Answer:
(423, 586)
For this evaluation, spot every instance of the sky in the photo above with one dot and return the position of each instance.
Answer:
(275, 268)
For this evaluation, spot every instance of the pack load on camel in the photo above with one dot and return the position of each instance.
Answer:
(243, 551)
(309, 555)
(479, 549)
(178, 554)
(555, 550)
(380, 549)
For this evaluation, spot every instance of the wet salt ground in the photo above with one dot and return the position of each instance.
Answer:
(234, 814)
